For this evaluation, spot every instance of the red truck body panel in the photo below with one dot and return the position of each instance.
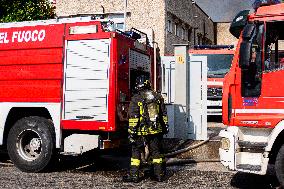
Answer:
(265, 111)
(32, 67)
(31, 64)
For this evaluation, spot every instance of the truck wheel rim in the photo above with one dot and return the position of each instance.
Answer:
(29, 145)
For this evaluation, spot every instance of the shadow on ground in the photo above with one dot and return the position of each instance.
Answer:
(247, 180)
(95, 161)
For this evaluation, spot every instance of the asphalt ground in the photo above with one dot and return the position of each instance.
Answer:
(105, 170)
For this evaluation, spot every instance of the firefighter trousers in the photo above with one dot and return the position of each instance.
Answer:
(154, 143)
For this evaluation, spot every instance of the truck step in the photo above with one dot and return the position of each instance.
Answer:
(253, 147)
(69, 154)
(249, 167)
(248, 144)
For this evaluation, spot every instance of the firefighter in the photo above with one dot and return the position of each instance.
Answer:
(147, 123)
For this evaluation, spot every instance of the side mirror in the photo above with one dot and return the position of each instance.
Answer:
(239, 23)
(245, 54)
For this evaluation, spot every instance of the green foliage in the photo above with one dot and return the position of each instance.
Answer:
(25, 10)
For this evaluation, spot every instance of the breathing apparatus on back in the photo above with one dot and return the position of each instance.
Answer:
(150, 103)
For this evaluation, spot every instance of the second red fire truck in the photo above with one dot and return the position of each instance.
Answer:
(219, 59)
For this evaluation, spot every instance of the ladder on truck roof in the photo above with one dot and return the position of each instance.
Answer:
(59, 20)
(133, 33)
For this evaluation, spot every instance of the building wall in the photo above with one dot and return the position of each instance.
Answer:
(151, 15)
(190, 22)
(224, 37)
(148, 15)
(72, 7)
(145, 15)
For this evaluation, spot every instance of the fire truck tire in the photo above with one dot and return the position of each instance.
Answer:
(279, 166)
(31, 144)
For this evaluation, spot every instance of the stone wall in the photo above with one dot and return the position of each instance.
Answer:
(72, 7)
(146, 15)
(150, 15)
(224, 37)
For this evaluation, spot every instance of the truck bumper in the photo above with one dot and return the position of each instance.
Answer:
(240, 150)
(227, 149)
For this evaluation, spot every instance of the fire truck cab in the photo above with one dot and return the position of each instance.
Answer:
(65, 87)
(219, 60)
(253, 97)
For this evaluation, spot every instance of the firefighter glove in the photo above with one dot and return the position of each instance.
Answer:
(165, 125)
(166, 129)
(131, 139)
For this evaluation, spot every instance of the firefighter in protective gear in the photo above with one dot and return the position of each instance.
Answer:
(147, 123)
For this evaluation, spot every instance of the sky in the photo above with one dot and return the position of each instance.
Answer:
(223, 10)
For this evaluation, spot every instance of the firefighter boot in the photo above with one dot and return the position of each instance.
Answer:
(158, 170)
(131, 178)
(133, 175)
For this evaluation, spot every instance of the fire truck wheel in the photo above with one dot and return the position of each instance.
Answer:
(279, 166)
(31, 144)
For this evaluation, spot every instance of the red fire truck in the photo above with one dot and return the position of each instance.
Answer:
(253, 94)
(219, 59)
(65, 84)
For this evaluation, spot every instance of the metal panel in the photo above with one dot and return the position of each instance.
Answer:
(85, 108)
(87, 79)
(190, 108)
(85, 84)
(86, 73)
(197, 87)
(77, 96)
(139, 60)
(171, 121)
(181, 128)
(168, 78)
(79, 143)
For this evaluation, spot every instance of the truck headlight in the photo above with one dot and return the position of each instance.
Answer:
(225, 144)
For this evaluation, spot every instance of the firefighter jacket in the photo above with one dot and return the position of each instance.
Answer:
(147, 114)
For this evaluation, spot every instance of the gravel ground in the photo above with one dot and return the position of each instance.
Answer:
(105, 172)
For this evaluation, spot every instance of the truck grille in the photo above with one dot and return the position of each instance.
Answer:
(214, 93)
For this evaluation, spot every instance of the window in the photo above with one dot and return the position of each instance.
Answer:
(176, 29)
(274, 47)
(251, 60)
(183, 33)
(189, 34)
(169, 26)
(199, 40)
(119, 26)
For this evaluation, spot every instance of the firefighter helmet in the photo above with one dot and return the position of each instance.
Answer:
(142, 82)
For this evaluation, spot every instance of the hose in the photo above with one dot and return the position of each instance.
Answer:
(186, 149)
(176, 161)
(180, 144)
